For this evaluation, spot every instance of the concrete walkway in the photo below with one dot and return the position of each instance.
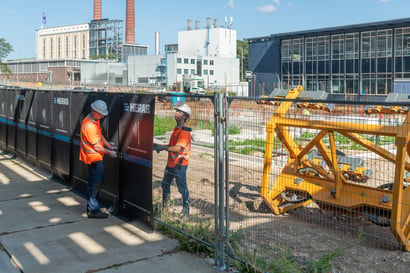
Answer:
(44, 228)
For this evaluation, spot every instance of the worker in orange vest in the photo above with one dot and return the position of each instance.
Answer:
(93, 148)
(179, 151)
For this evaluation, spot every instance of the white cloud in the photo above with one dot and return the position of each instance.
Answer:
(231, 4)
(277, 2)
(383, 1)
(266, 9)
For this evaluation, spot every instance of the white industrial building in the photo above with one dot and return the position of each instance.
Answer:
(208, 52)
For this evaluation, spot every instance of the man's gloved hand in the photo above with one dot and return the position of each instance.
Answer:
(114, 154)
(158, 148)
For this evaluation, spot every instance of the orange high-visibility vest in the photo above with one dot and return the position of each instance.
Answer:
(180, 136)
(90, 135)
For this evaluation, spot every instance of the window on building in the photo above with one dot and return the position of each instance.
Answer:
(323, 45)
(143, 80)
(205, 72)
(44, 48)
(310, 49)
(185, 60)
(199, 67)
(211, 72)
(285, 50)
(384, 43)
(192, 71)
(51, 48)
(179, 71)
(192, 61)
(338, 45)
(83, 47)
(66, 47)
(368, 44)
(297, 50)
(179, 60)
(59, 47)
(211, 62)
(205, 62)
(186, 71)
(352, 46)
(75, 47)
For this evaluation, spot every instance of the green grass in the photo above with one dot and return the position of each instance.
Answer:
(232, 130)
(347, 143)
(162, 125)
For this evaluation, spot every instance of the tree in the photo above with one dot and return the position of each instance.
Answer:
(5, 49)
(242, 53)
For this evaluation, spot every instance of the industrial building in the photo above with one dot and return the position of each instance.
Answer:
(208, 52)
(350, 61)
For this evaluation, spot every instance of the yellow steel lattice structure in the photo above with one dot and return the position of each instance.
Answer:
(324, 177)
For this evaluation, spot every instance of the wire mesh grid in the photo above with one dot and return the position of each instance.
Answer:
(311, 208)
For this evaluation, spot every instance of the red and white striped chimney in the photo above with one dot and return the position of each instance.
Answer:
(97, 9)
(130, 23)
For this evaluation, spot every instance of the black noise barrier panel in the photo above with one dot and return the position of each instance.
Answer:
(25, 98)
(43, 127)
(12, 116)
(3, 119)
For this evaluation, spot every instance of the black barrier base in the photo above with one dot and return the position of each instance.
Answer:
(21, 148)
(61, 156)
(136, 203)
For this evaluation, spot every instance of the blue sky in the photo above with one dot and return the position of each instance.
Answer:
(19, 19)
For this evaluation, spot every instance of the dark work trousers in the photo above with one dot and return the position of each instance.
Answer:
(95, 178)
(179, 173)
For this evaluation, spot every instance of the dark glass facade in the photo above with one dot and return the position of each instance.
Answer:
(359, 59)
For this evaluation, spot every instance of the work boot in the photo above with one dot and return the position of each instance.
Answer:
(184, 212)
(97, 214)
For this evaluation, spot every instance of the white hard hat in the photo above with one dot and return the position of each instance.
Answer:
(184, 108)
(100, 106)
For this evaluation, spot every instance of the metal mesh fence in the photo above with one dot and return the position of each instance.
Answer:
(333, 181)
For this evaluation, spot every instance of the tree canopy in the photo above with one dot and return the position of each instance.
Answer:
(5, 49)
(242, 52)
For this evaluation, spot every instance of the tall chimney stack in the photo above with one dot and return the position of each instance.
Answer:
(97, 9)
(130, 23)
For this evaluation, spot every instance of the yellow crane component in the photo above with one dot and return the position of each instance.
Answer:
(319, 173)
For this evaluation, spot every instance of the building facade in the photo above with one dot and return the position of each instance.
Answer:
(168, 70)
(358, 60)
(65, 42)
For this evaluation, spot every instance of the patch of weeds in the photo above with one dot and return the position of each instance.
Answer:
(206, 155)
(162, 125)
(284, 262)
(202, 124)
(232, 130)
(203, 230)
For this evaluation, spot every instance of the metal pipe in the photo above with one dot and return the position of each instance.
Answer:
(221, 184)
(227, 226)
(215, 100)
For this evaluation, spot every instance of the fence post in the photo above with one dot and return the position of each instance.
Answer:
(227, 102)
(219, 121)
